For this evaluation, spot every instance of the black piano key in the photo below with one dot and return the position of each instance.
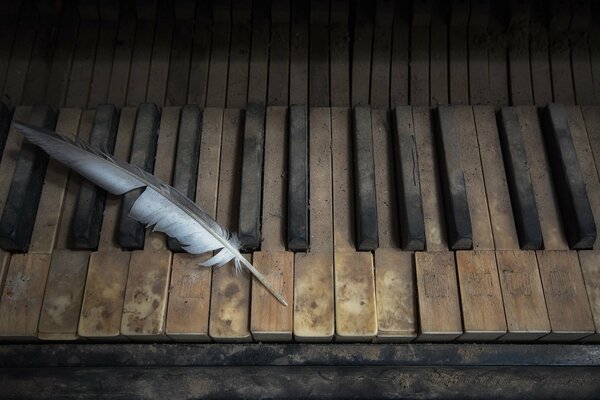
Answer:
(522, 198)
(297, 221)
(252, 173)
(188, 151)
(87, 219)
(456, 205)
(25, 191)
(5, 118)
(410, 210)
(365, 206)
(143, 152)
(572, 196)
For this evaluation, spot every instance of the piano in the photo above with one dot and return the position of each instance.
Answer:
(419, 179)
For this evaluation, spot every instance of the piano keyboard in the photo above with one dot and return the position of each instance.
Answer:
(427, 224)
(392, 167)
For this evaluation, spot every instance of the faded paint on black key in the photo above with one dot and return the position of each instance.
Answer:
(571, 193)
(297, 222)
(252, 173)
(456, 205)
(364, 180)
(412, 226)
(87, 220)
(188, 151)
(522, 198)
(143, 152)
(21, 206)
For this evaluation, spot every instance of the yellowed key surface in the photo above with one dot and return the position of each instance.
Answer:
(480, 294)
(230, 299)
(564, 289)
(355, 309)
(22, 296)
(269, 319)
(394, 268)
(526, 314)
(314, 317)
(590, 267)
(144, 310)
(190, 289)
(102, 307)
(59, 318)
(439, 307)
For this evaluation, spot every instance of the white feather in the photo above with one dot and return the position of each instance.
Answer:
(160, 206)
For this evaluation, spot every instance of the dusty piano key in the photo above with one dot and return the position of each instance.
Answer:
(269, 319)
(23, 198)
(297, 206)
(571, 192)
(5, 117)
(230, 299)
(252, 178)
(144, 309)
(565, 293)
(355, 307)
(102, 304)
(590, 267)
(364, 178)
(90, 203)
(456, 205)
(439, 304)
(524, 303)
(519, 181)
(190, 292)
(63, 292)
(143, 150)
(394, 268)
(314, 316)
(188, 150)
(410, 210)
(26, 275)
(481, 296)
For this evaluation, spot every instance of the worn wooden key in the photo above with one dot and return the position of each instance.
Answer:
(230, 298)
(102, 305)
(27, 274)
(356, 315)
(63, 294)
(394, 268)
(481, 298)
(269, 319)
(437, 288)
(565, 294)
(590, 267)
(144, 309)
(313, 271)
(190, 290)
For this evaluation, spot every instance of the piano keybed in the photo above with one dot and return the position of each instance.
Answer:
(503, 288)
(380, 212)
